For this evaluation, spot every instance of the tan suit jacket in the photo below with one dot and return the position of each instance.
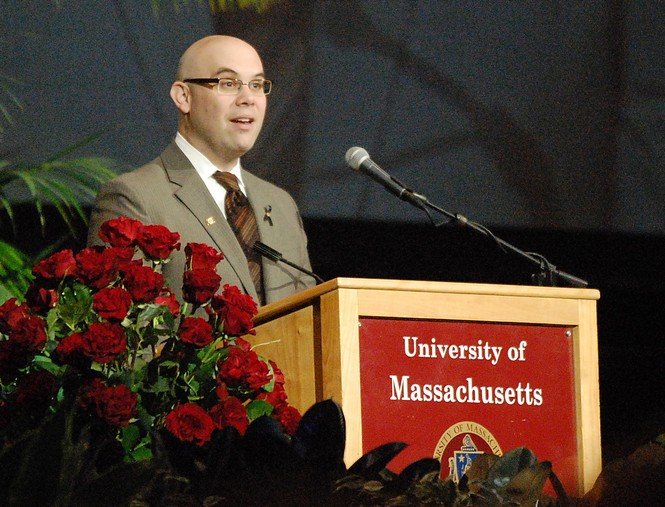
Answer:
(170, 192)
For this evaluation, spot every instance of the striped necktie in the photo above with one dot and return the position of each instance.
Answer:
(240, 215)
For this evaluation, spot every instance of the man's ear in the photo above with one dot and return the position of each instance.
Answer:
(181, 96)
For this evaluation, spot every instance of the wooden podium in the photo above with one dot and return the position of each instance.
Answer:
(404, 358)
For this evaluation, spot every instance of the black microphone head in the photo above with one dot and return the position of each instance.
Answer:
(356, 156)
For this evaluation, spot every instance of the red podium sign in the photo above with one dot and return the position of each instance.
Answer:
(455, 389)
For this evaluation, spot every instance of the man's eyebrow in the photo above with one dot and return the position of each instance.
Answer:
(226, 70)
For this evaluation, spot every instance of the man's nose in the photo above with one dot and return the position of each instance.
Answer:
(245, 96)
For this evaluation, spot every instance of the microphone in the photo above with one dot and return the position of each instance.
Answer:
(274, 255)
(358, 159)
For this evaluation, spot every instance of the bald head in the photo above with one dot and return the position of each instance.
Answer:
(195, 59)
(222, 126)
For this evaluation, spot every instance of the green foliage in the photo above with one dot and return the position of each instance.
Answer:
(218, 5)
(15, 273)
(515, 478)
(8, 101)
(58, 181)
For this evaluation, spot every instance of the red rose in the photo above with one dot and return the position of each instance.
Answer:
(258, 373)
(221, 391)
(40, 299)
(236, 309)
(143, 283)
(57, 266)
(243, 344)
(157, 242)
(169, 300)
(104, 341)
(195, 331)
(276, 372)
(112, 303)
(70, 350)
(199, 285)
(202, 256)
(93, 267)
(277, 398)
(243, 369)
(119, 258)
(97, 266)
(231, 368)
(115, 405)
(121, 231)
(10, 314)
(29, 334)
(35, 391)
(190, 423)
(230, 412)
(289, 417)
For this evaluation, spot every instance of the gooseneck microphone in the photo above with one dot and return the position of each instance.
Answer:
(274, 255)
(358, 159)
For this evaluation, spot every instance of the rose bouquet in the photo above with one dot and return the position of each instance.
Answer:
(99, 330)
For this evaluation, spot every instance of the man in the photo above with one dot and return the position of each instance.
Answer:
(220, 92)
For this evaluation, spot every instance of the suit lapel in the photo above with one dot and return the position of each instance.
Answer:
(193, 193)
(261, 203)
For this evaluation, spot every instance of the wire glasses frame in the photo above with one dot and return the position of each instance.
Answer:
(232, 86)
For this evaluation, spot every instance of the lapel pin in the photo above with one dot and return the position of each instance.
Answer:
(266, 216)
(210, 220)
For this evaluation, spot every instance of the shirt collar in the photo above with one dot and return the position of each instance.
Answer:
(202, 164)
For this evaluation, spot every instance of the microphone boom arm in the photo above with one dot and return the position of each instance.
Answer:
(548, 271)
(274, 255)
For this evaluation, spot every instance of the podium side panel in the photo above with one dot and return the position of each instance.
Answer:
(290, 341)
(341, 363)
(588, 396)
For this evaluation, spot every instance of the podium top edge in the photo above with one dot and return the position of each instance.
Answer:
(360, 284)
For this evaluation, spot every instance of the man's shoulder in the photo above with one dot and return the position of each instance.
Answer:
(150, 171)
(153, 174)
(256, 183)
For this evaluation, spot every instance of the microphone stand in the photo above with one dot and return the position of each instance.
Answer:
(548, 273)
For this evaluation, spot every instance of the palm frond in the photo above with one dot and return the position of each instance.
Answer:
(15, 272)
(218, 5)
(57, 182)
(6, 117)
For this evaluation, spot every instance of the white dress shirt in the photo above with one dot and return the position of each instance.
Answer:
(206, 169)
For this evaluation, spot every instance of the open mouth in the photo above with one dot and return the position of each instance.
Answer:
(243, 121)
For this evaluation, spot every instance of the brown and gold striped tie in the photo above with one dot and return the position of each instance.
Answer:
(240, 215)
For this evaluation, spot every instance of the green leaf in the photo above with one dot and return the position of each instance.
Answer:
(45, 363)
(15, 272)
(141, 453)
(194, 386)
(75, 305)
(129, 437)
(509, 465)
(149, 313)
(161, 385)
(257, 408)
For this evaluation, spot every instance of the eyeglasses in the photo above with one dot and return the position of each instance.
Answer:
(231, 86)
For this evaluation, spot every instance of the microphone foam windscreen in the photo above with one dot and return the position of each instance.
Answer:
(356, 156)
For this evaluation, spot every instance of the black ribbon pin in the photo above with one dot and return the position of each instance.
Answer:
(266, 216)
